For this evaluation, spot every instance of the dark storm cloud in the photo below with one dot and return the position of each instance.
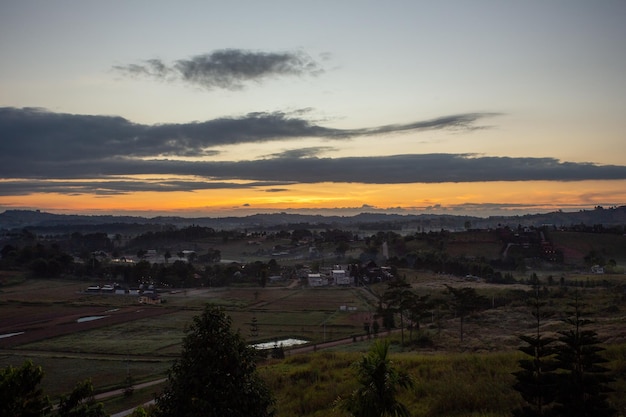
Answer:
(228, 69)
(42, 151)
(35, 140)
(396, 169)
(116, 187)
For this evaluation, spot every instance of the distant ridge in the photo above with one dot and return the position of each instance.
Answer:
(34, 219)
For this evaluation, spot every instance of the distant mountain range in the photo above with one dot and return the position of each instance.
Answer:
(42, 221)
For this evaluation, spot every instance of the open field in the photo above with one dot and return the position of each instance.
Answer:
(468, 384)
(144, 340)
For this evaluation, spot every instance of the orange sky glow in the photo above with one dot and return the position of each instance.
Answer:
(457, 198)
(420, 113)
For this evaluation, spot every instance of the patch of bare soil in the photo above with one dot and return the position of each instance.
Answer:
(38, 322)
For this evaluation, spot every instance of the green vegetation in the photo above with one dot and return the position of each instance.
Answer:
(443, 385)
(379, 384)
(215, 374)
(22, 395)
(536, 380)
(63, 371)
(432, 286)
(453, 384)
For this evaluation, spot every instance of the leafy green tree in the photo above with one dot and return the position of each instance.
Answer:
(341, 249)
(464, 301)
(536, 381)
(584, 381)
(80, 403)
(215, 374)
(386, 313)
(396, 299)
(418, 307)
(375, 328)
(300, 234)
(379, 383)
(20, 391)
(139, 412)
(215, 255)
(20, 395)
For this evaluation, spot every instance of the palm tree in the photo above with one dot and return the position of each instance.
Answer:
(379, 383)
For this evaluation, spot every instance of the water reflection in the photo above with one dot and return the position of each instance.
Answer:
(283, 343)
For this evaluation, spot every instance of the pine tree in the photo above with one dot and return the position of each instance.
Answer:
(583, 384)
(536, 381)
(254, 327)
(215, 375)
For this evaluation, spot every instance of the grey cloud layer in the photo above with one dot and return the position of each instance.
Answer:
(44, 137)
(99, 153)
(227, 69)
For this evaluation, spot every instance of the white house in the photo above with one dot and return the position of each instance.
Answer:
(316, 280)
(341, 277)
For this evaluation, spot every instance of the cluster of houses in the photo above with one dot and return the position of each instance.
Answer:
(336, 276)
(352, 275)
(147, 294)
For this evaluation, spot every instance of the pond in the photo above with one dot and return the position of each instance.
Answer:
(283, 343)
(89, 318)
(4, 336)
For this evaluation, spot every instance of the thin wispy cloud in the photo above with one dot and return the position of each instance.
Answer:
(309, 152)
(228, 69)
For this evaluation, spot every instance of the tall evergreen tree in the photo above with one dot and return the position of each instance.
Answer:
(536, 381)
(215, 375)
(584, 381)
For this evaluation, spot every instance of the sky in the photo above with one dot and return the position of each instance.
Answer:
(207, 108)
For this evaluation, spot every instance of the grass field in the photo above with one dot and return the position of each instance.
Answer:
(450, 384)
(305, 384)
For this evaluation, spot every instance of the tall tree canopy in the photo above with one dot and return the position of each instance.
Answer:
(21, 395)
(20, 391)
(464, 301)
(536, 381)
(584, 381)
(215, 374)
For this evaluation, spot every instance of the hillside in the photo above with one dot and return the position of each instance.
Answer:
(19, 219)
